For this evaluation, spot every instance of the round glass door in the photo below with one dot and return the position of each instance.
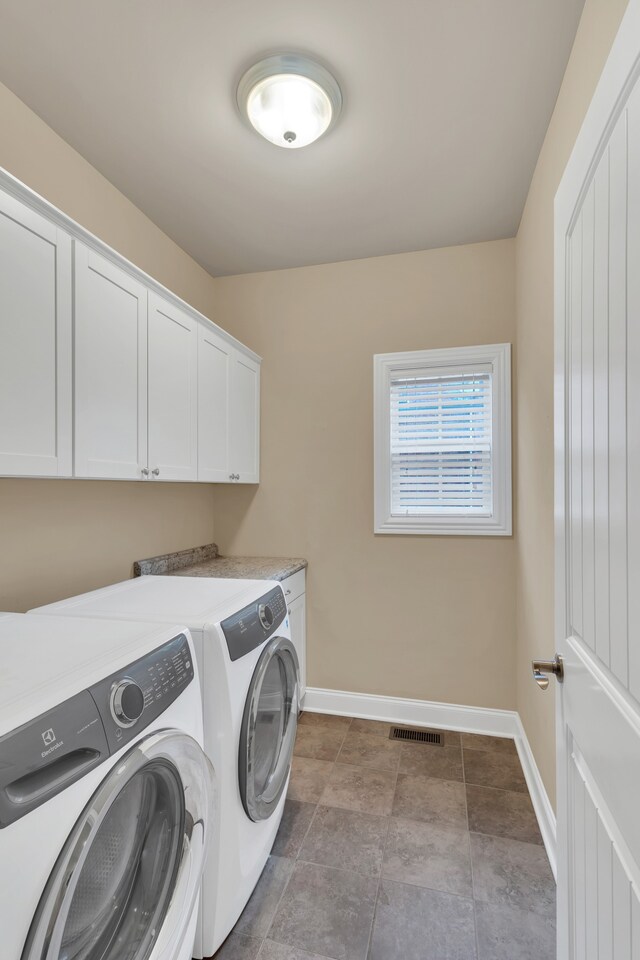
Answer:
(269, 729)
(124, 864)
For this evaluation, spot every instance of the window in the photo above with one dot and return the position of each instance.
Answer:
(443, 441)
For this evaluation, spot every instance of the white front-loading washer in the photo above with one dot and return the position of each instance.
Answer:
(105, 791)
(249, 675)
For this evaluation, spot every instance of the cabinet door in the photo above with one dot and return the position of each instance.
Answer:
(214, 372)
(244, 419)
(110, 370)
(173, 395)
(35, 344)
(298, 624)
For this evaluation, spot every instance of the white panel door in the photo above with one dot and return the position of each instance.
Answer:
(598, 519)
(173, 393)
(35, 344)
(214, 373)
(244, 420)
(110, 370)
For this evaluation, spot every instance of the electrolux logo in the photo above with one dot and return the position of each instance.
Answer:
(49, 739)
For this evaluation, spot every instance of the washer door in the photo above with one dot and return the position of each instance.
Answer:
(128, 876)
(269, 729)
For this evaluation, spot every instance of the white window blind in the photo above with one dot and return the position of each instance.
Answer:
(441, 444)
(442, 441)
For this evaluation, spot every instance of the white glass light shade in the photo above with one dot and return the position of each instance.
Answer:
(289, 110)
(289, 100)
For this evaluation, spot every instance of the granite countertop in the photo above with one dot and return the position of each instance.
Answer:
(205, 561)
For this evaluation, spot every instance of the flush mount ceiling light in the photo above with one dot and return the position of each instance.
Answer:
(289, 99)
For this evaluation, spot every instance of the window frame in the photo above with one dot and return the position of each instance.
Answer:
(429, 362)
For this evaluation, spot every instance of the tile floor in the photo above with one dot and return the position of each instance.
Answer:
(391, 851)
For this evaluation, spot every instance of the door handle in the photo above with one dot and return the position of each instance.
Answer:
(542, 668)
(156, 471)
(144, 471)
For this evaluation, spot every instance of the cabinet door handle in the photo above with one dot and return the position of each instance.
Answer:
(144, 471)
(156, 471)
(232, 476)
(289, 610)
(287, 592)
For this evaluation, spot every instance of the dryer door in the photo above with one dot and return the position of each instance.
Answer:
(269, 729)
(125, 884)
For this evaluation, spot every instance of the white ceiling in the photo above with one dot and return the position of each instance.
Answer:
(446, 106)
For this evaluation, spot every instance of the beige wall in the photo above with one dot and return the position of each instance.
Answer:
(408, 616)
(534, 452)
(58, 537)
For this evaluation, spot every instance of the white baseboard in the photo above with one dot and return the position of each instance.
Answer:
(425, 713)
(447, 716)
(539, 796)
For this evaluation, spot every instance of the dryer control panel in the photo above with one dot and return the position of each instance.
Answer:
(48, 754)
(255, 623)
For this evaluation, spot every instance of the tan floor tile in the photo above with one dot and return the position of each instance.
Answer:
(429, 855)
(500, 770)
(346, 839)
(425, 760)
(329, 720)
(368, 750)
(308, 779)
(360, 788)
(413, 923)
(502, 813)
(326, 911)
(430, 800)
(318, 742)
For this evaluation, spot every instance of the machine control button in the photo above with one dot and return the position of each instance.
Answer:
(265, 616)
(127, 702)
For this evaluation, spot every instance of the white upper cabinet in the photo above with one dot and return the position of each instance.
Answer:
(110, 369)
(35, 344)
(228, 412)
(106, 374)
(244, 433)
(173, 392)
(214, 372)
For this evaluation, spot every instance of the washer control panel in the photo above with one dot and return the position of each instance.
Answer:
(251, 626)
(129, 700)
(52, 751)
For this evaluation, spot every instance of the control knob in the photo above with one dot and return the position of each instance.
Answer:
(127, 702)
(265, 616)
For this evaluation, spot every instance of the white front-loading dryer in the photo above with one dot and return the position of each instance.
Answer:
(105, 791)
(250, 688)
